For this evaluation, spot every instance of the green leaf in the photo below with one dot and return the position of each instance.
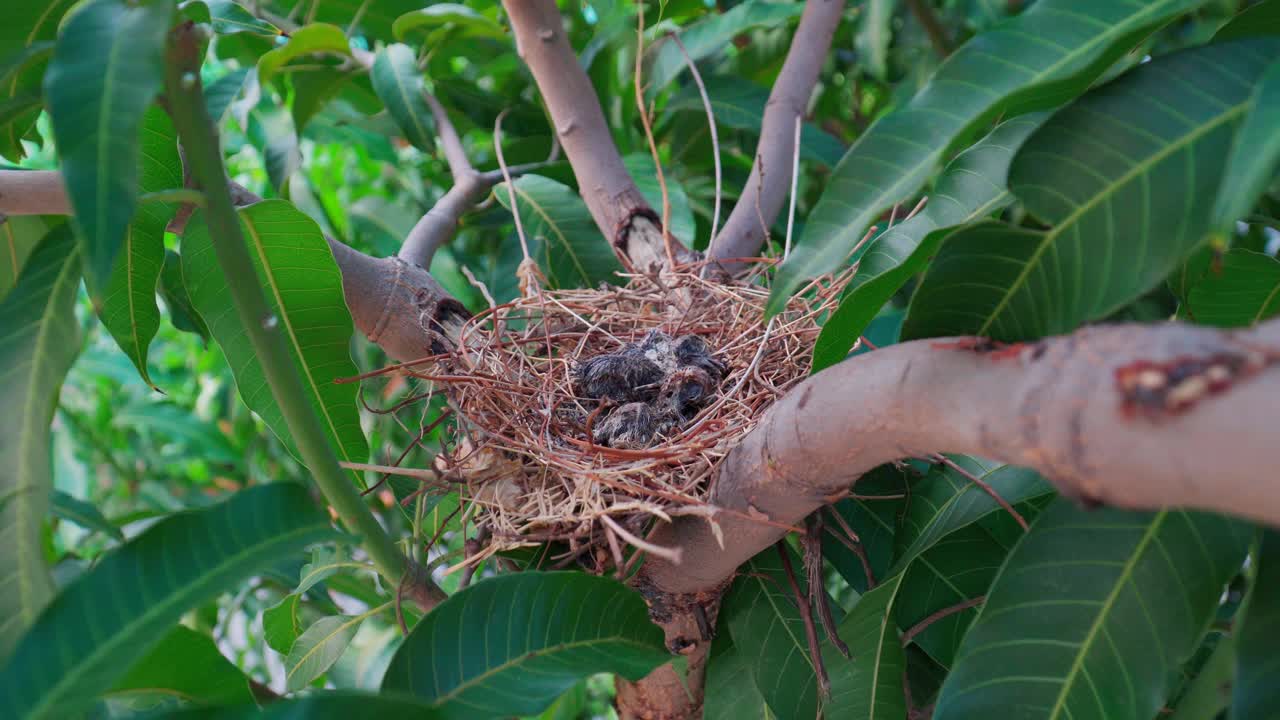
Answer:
(83, 513)
(640, 166)
(1093, 614)
(947, 501)
(1052, 51)
(117, 611)
(27, 27)
(317, 706)
(39, 339)
(730, 690)
(314, 38)
(106, 70)
(1210, 690)
(1261, 18)
(739, 104)
(874, 520)
(375, 19)
(1255, 156)
(1256, 694)
(182, 313)
(443, 14)
(313, 89)
(398, 83)
(281, 625)
(272, 132)
(767, 630)
(20, 234)
(317, 649)
(870, 685)
(186, 665)
(539, 632)
(219, 94)
(875, 32)
(230, 18)
(712, 35)
(971, 187)
(1127, 182)
(129, 309)
(304, 289)
(1243, 290)
(324, 563)
(562, 237)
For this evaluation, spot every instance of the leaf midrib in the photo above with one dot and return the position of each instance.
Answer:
(1104, 611)
(1050, 237)
(548, 222)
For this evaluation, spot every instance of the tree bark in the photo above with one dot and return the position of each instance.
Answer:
(613, 199)
(761, 200)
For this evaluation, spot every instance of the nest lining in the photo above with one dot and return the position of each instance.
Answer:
(533, 451)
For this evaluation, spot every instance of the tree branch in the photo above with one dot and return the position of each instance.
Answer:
(616, 205)
(766, 188)
(928, 19)
(395, 304)
(1131, 416)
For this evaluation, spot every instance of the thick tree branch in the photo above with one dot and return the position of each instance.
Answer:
(1131, 416)
(395, 304)
(616, 205)
(766, 189)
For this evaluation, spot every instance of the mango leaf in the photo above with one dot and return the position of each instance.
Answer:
(374, 19)
(314, 38)
(39, 339)
(562, 237)
(971, 187)
(875, 32)
(398, 83)
(106, 70)
(182, 313)
(946, 501)
(324, 563)
(712, 35)
(730, 691)
(317, 649)
(313, 89)
(272, 132)
(1114, 148)
(1209, 692)
(83, 513)
(117, 611)
(25, 35)
(446, 14)
(739, 104)
(304, 288)
(129, 310)
(640, 166)
(281, 625)
(1262, 18)
(1049, 53)
(1093, 614)
(20, 234)
(1255, 157)
(219, 94)
(1256, 694)
(870, 685)
(317, 706)
(1243, 290)
(767, 631)
(540, 632)
(874, 520)
(186, 665)
(230, 18)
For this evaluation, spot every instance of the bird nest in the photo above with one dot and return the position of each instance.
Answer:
(585, 414)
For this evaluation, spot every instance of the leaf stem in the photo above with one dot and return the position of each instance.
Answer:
(204, 157)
